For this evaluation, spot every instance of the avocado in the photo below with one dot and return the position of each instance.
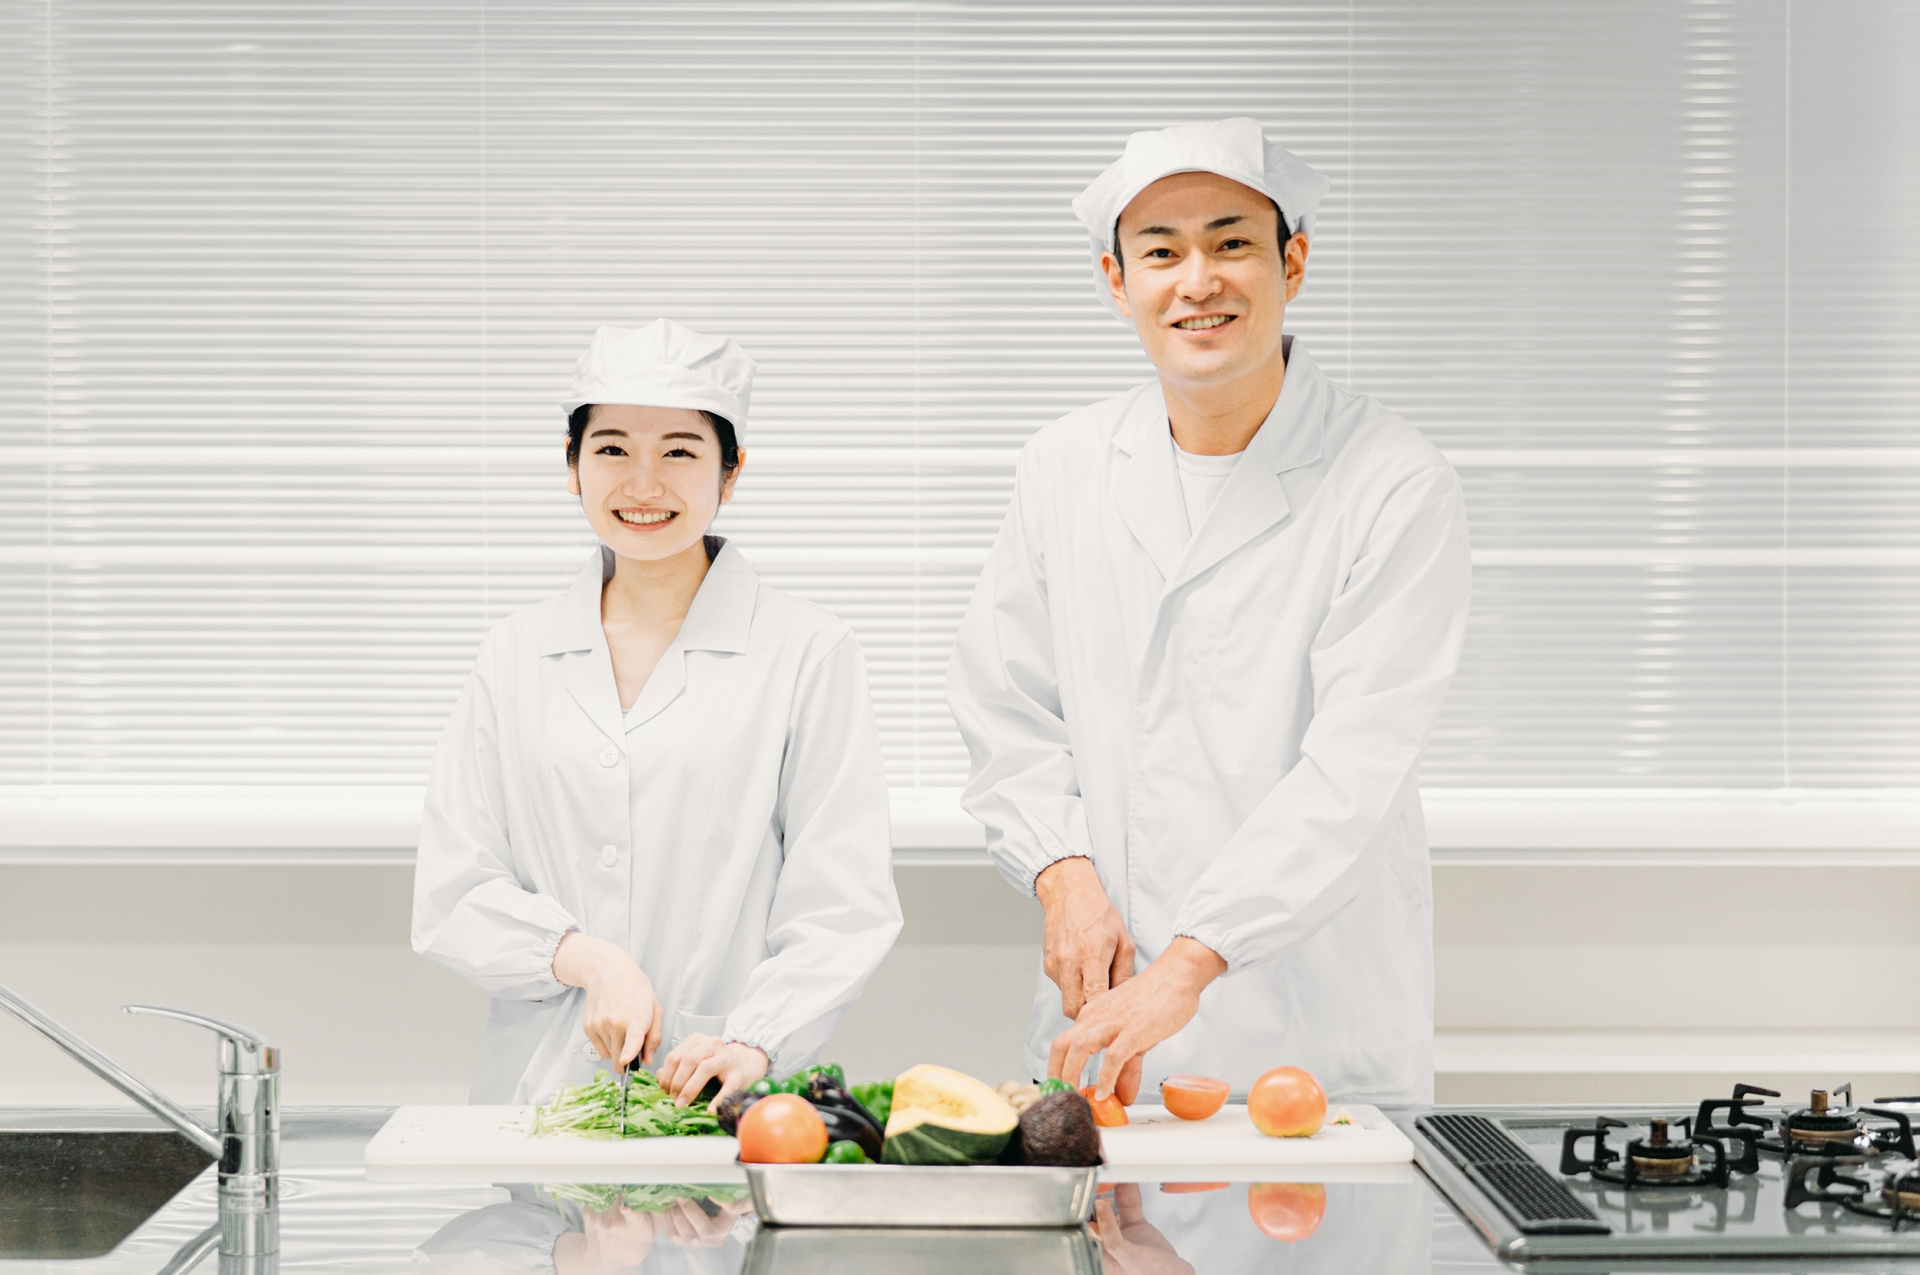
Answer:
(1058, 1130)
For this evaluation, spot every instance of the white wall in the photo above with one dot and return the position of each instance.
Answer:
(1784, 975)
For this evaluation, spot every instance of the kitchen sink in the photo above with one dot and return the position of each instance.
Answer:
(78, 1193)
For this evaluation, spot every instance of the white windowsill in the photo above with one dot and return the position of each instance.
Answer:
(1622, 827)
(1641, 1053)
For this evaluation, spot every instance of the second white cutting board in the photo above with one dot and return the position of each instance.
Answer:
(490, 1144)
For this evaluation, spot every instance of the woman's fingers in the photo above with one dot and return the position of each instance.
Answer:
(652, 1034)
(708, 1068)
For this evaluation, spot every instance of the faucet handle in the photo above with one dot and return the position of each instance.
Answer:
(243, 1051)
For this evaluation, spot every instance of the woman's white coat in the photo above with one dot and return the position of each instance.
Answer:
(1229, 724)
(729, 831)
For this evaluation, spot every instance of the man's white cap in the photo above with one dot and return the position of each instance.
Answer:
(664, 364)
(1234, 148)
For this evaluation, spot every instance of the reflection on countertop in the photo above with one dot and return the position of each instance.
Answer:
(332, 1217)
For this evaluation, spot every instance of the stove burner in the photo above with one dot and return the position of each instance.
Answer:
(1817, 1179)
(1823, 1127)
(1656, 1161)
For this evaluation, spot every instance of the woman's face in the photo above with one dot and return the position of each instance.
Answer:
(650, 479)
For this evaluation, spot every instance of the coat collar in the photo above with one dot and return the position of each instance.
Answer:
(720, 619)
(1147, 485)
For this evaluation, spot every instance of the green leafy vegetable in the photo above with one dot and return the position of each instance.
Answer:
(877, 1098)
(643, 1199)
(1053, 1084)
(592, 1110)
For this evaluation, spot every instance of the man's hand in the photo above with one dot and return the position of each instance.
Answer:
(1088, 949)
(1129, 1244)
(1134, 1017)
(698, 1059)
(622, 1015)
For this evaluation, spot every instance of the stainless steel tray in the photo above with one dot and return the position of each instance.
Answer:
(822, 1250)
(982, 1195)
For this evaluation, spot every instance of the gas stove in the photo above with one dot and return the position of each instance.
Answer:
(1732, 1177)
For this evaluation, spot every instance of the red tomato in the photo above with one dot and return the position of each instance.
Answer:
(1107, 1112)
(1193, 1097)
(1188, 1188)
(1287, 1103)
(1287, 1210)
(782, 1128)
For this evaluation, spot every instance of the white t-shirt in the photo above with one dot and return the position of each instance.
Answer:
(1201, 478)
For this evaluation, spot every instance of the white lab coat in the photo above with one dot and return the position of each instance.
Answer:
(730, 831)
(1230, 725)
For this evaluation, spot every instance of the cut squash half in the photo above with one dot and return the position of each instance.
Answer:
(942, 1116)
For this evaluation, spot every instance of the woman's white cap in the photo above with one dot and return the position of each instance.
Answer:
(1234, 148)
(664, 364)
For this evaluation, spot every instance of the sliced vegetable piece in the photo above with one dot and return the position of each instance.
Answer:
(942, 1116)
(1107, 1111)
(1193, 1097)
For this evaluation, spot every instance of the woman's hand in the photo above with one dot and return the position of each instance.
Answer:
(616, 1240)
(688, 1225)
(698, 1059)
(622, 1016)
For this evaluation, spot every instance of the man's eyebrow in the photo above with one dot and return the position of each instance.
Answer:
(1218, 223)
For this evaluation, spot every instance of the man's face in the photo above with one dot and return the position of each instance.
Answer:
(1207, 277)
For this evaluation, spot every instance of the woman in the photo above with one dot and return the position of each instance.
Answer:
(658, 817)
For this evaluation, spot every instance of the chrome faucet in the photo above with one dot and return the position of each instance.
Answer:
(247, 1145)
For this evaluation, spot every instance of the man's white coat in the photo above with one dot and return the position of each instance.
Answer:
(1229, 725)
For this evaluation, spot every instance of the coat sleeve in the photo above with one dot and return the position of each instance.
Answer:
(835, 912)
(1381, 663)
(1005, 696)
(470, 911)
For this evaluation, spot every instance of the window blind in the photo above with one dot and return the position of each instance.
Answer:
(288, 292)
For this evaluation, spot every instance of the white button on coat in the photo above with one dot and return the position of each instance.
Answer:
(609, 756)
(1230, 725)
(760, 897)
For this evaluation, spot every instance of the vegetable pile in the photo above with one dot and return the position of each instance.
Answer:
(927, 1115)
(593, 1110)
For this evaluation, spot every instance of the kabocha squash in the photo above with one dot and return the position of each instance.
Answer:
(942, 1116)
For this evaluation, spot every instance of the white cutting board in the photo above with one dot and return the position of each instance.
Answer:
(490, 1144)
(1154, 1146)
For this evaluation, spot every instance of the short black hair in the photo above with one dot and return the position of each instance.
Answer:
(722, 430)
(1286, 236)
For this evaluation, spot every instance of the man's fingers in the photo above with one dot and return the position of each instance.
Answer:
(1057, 1055)
(1122, 967)
(1123, 1052)
(1128, 1087)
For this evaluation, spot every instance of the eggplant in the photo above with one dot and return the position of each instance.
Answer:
(732, 1107)
(844, 1126)
(823, 1091)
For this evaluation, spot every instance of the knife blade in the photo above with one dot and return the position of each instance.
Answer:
(624, 1071)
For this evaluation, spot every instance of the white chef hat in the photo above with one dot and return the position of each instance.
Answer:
(1234, 148)
(664, 364)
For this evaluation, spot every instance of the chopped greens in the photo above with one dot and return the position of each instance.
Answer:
(643, 1199)
(592, 1110)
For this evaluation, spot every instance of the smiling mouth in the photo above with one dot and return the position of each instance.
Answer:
(644, 518)
(1201, 323)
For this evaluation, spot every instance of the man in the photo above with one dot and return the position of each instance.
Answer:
(1202, 661)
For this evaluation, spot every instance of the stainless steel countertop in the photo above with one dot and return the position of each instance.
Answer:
(332, 1217)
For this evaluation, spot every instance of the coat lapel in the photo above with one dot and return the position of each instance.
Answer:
(575, 637)
(720, 619)
(1252, 499)
(1145, 487)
